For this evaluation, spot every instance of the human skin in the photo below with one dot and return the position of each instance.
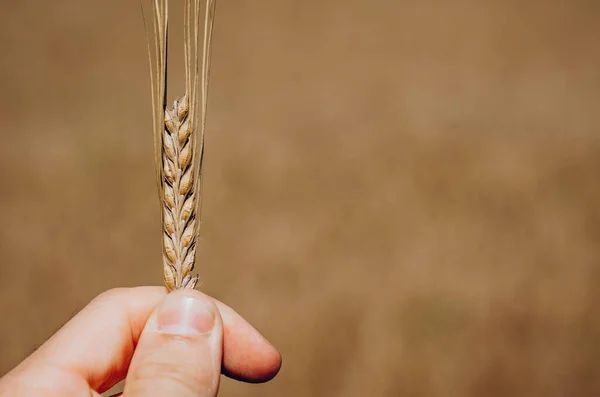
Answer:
(176, 344)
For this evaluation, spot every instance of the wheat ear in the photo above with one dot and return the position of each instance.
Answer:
(179, 137)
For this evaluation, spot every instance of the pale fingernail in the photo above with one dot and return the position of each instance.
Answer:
(185, 315)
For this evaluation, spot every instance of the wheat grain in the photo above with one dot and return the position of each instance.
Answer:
(179, 198)
(179, 138)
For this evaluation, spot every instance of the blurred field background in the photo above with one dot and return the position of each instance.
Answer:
(401, 195)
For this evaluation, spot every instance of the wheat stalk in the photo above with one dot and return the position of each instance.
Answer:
(179, 136)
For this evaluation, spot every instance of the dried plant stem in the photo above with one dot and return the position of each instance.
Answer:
(179, 138)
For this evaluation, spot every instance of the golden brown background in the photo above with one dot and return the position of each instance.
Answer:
(402, 195)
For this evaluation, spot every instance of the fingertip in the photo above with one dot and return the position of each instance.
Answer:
(261, 367)
(189, 312)
(247, 355)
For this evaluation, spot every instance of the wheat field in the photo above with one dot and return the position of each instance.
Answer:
(401, 195)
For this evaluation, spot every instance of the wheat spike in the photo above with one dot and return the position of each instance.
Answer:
(179, 137)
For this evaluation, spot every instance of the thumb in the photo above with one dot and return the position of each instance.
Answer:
(180, 350)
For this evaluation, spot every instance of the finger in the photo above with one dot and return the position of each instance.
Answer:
(98, 343)
(180, 350)
(247, 355)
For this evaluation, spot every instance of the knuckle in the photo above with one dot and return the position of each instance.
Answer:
(110, 295)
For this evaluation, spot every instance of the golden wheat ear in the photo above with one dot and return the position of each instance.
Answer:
(179, 137)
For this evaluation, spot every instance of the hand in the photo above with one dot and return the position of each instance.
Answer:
(177, 349)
